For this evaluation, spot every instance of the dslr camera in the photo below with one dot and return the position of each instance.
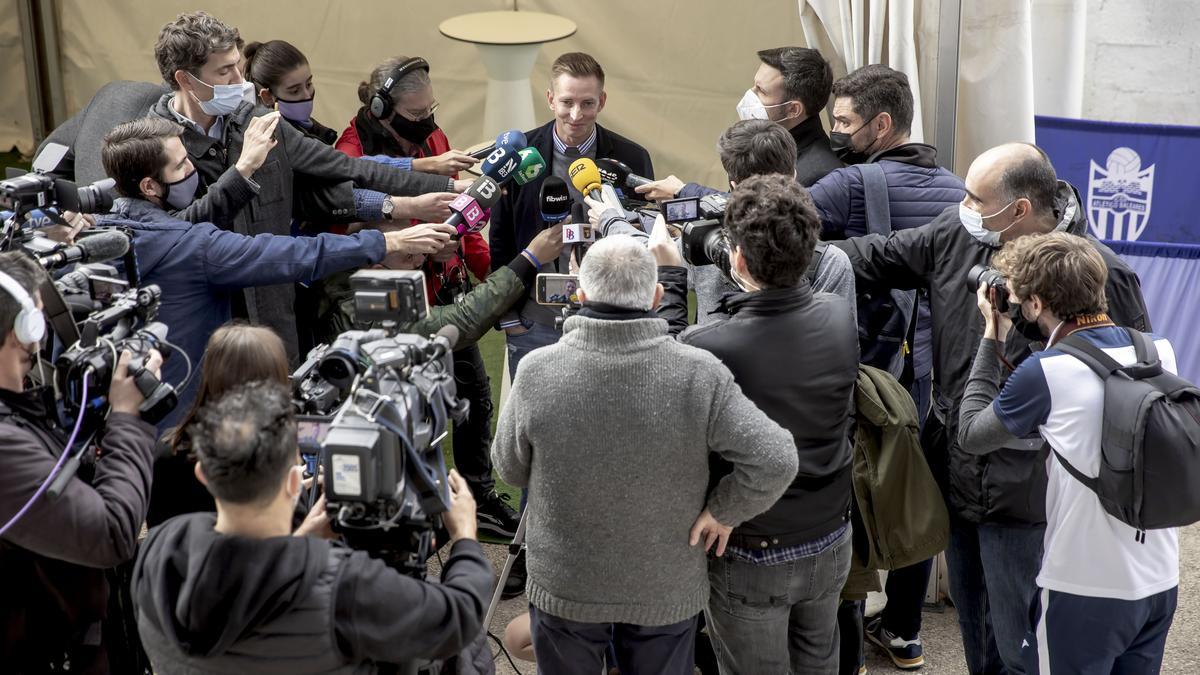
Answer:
(702, 220)
(378, 405)
(996, 283)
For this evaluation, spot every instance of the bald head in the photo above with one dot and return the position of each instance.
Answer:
(1013, 171)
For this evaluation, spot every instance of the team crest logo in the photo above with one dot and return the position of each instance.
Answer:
(1119, 196)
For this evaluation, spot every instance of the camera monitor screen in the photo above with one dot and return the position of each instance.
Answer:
(681, 210)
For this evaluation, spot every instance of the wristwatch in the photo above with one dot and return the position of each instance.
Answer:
(386, 208)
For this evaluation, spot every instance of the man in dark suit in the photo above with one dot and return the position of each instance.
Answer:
(576, 97)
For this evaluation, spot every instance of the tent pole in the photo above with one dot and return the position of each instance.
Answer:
(43, 72)
(949, 34)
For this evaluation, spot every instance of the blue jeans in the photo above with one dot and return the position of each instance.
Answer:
(1098, 636)
(538, 335)
(778, 618)
(565, 646)
(993, 579)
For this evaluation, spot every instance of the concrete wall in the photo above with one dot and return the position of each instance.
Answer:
(1143, 61)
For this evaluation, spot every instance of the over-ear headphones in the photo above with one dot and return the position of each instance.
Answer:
(381, 101)
(30, 325)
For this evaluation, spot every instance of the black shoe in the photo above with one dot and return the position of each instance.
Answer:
(514, 585)
(496, 516)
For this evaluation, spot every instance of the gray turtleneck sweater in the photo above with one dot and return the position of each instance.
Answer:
(610, 430)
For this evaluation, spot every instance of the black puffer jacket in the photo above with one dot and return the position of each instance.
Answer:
(1006, 485)
(794, 353)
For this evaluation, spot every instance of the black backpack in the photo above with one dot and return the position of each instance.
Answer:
(1150, 448)
(883, 318)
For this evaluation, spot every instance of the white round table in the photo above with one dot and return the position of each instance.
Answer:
(508, 44)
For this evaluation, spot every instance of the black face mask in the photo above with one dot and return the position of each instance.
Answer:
(413, 132)
(842, 145)
(1028, 329)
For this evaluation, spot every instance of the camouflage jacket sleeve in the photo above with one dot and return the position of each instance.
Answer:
(476, 312)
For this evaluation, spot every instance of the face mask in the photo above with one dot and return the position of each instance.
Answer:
(752, 108)
(1029, 329)
(179, 195)
(226, 97)
(299, 111)
(973, 221)
(843, 146)
(413, 132)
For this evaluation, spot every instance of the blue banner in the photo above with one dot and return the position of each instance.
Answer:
(1170, 273)
(1140, 182)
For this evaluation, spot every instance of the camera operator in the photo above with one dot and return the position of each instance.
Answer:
(53, 550)
(1106, 592)
(617, 402)
(201, 268)
(257, 598)
(794, 353)
(996, 501)
(754, 148)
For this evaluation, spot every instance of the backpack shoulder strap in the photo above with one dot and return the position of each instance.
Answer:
(1089, 483)
(1143, 346)
(1091, 355)
(875, 194)
(815, 263)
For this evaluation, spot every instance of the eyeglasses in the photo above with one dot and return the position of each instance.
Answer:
(418, 115)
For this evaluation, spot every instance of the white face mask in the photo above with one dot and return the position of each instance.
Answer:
(973, 221)
(752, 108)
(226, 97)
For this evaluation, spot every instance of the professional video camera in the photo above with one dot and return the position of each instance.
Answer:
(559, 290)
(997, 285)
(702, 221)
(379, 404)
(23, 192)
(84, 371)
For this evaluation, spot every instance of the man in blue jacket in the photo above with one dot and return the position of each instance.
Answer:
(872, 120)
(200, 267)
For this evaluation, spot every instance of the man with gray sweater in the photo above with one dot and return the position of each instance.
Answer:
(618, 403)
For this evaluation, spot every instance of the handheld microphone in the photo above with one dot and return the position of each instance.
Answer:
(618, 173)
(555, 199)
(532, 165)
(104, 245)
(469, 208)
(501, 165)
(586, 177)
(512, 139)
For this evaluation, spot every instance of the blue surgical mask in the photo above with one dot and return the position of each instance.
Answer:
(179, 195)
(972, 220)
(226, 97)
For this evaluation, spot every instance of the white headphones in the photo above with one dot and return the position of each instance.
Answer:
(30, 325)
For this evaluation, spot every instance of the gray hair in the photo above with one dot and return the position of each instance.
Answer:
(414, 80)
(619, 271)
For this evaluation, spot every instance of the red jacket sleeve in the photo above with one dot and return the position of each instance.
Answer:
(348, 142)
(478, 254)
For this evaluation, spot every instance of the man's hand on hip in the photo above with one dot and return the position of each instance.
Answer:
(711, 531)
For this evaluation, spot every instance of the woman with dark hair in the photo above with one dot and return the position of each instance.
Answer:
(283, 80)
(405, 131)
(236, 353)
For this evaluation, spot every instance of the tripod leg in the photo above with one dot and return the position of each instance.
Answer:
(514, 548)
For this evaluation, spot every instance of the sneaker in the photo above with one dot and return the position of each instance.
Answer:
(906, 654)
(496, 516)
(862, 670)
(514, 585)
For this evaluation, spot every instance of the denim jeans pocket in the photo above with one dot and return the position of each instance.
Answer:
(755, 591)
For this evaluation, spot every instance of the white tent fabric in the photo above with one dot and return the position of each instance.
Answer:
(851, 34)
(15, 122)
